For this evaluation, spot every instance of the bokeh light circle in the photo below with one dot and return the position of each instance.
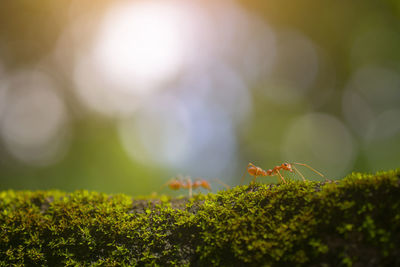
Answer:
(136, 49)
(140, 44)
(3, 89)
(159, 134)
(358, 113)
(322, 141)
(370, 101)
(34, 125)
(387, 124)
(182, 135)
(296, 67)
(378, 85)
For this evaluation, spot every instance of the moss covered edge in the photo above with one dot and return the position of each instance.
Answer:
(351, 222)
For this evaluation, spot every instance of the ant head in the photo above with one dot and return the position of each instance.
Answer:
(196, 184)
(201, 183)
(251, 165)
(252, 170)
(205, 185)
(174, 184)
(287, 166)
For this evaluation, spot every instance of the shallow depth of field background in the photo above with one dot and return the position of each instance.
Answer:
(120, 96)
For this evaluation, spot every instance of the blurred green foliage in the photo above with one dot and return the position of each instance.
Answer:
(96, 160)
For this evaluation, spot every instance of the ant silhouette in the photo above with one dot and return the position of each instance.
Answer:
(180, 182)
(257, 171)
(187, 183)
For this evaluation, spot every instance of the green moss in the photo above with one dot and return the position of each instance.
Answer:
(354, 221)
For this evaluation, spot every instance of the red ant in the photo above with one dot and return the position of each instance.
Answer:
(178, 183)
(257, 171)
(186, 183)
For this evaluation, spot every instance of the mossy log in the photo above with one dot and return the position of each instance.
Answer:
(351, 222)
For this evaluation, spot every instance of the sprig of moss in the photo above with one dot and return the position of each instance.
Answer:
(354, 221)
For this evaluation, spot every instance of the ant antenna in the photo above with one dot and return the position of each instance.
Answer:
(166, 184)
(244, 174)
(299, 173)
(222, 183)
(305, 165)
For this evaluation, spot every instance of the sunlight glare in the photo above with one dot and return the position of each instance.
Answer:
(140, 44)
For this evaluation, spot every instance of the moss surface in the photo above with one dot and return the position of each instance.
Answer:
(352, 222)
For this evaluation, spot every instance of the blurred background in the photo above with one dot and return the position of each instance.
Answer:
(121, 96)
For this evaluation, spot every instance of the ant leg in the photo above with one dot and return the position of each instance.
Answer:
(299, 173)
(254, 179)
(305, 165)
(189, 183)
(244, 173)
(180, 178)
(280, 175)
(166, 184)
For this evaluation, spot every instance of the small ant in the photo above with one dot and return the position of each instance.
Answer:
(257, 171)
(179, 182)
